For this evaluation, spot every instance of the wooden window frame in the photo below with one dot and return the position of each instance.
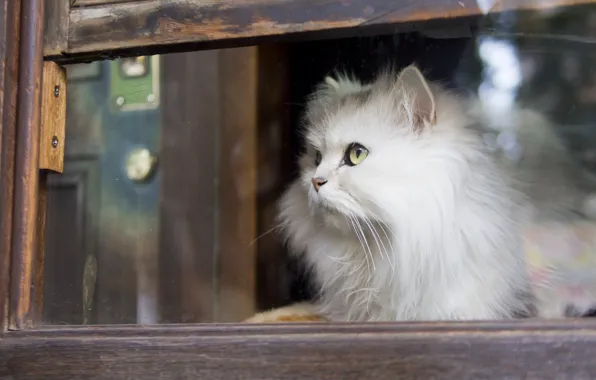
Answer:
(82, 30)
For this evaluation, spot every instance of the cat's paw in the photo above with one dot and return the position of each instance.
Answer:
(300, 312)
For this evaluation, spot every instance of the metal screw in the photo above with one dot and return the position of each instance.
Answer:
(120, 100)
(151, 98)
(56, 91)
(54, 141)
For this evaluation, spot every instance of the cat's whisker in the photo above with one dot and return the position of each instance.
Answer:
(352, 221)
(372, 258)
(374, 234)
(265, 233)
(389, 239)
(353, 205)
(378, 239)
(339, 259)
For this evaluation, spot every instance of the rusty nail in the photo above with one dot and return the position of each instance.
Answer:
(54, 142)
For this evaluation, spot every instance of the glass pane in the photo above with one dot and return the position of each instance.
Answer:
(467, 192)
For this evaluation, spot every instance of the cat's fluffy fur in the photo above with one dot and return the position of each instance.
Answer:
(427, 227)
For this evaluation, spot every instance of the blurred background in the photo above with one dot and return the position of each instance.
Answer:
(174, 163)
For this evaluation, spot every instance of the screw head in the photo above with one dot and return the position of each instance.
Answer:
(54, 141)
(56, 91)
(120, 101)
(151, 98)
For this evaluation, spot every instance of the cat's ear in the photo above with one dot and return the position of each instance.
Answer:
(422, 99)
(331, 82)
(331, 91)
(340, 86)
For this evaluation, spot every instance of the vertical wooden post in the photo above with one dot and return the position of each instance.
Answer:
(10, 11)
(237, 184)
(26, 189)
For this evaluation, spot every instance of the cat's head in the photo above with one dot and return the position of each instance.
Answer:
(373, 148)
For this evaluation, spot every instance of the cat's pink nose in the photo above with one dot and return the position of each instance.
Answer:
(318, 182)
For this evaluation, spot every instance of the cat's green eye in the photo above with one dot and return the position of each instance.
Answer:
(355, 154)
(318, 158)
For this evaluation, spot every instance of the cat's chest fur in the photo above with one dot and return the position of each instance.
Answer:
(362, 282)
(377, 279)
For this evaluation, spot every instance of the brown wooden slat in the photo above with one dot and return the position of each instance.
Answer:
(9, 55)
(188, 205)
(153, 24)
(53, 118)
(516, 350)
(210, 126)
(56, 26)
(237, 184)
(274, 130)
(24, 239)
(37, 275)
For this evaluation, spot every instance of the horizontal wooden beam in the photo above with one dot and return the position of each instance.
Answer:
(149, 26)
(515, 350)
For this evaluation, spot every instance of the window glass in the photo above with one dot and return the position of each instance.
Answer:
(167, 208)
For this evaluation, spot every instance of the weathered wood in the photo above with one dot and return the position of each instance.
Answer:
(237, 184)
(38, 268)
(516, 350)
(188, 200)
(154, 26)
(53, 118)
(9, 55)
(26, 188)
(56, 26)
(210, 116)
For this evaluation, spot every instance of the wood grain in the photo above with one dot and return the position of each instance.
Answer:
(56, 26)
(188, 199)
(154, 26)
(53, 118)
(207, 225)
(24, 239)
(35, 317)
(515, 350)
(237, 184)
(9, 55)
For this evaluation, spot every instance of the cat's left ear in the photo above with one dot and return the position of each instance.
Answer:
(423, 109)
(342, 85)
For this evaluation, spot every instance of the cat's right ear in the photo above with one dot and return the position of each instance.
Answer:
(330, 92)
(332, 83)
(421, 105)
(338, 87)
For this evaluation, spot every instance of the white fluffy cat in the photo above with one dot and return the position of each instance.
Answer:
(402, 209)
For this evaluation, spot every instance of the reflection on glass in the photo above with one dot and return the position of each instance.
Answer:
(166, 211)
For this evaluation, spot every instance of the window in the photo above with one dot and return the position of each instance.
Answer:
(154, 237)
